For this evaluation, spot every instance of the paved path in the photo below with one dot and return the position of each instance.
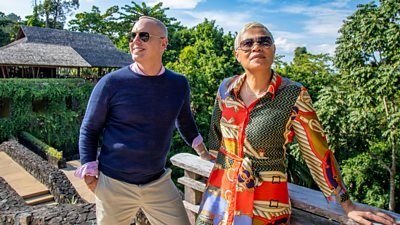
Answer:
(31, 189)
(22, 182)
(78, 183)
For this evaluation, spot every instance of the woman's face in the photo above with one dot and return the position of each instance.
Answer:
(256, 50)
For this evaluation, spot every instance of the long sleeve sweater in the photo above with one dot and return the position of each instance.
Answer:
(136, 115)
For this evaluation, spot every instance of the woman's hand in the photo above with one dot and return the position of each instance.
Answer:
(206, 156)
(364, 215)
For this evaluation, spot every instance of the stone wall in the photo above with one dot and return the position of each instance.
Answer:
(13, 210)
(53, 178)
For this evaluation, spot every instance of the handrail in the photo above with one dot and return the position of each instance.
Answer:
(308, 206)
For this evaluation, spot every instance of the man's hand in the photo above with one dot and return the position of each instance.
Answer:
(91, 182)
(364, 215)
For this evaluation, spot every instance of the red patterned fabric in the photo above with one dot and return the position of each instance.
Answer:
(248, 184)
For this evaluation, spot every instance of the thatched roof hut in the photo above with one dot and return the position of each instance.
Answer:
(38, 47)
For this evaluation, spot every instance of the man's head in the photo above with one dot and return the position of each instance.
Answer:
(148, 40)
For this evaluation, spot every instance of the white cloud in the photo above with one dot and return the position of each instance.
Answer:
(229, 21)
(323, 48)
(325, 26)
(21, 8)
(284, 46)
(326, 19)
(339, 3)
(177, 4)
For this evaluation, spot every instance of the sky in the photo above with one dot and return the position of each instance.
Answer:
(296, 23)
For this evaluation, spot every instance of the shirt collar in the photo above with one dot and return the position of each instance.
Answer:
(135, 68)
(273, 85)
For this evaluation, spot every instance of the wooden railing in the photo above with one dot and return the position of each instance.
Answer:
(308, 206)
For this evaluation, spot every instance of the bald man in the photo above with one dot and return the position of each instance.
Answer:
(136, 110)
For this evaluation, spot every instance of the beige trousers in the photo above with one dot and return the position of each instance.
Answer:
(117, 202)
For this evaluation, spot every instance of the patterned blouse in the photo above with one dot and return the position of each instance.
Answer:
(248, 184)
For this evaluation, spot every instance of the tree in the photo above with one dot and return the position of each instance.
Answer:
(96, 23)
(55, 11)
(299, 51)
(367, 98)
(8, 27)
(206, 60)
(313, 71)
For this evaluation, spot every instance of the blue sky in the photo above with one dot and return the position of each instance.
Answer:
(308, 23)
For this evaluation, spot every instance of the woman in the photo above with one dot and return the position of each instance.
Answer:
(254, 117)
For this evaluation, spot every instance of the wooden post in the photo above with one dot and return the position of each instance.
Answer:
(3, 72)
(192, 197)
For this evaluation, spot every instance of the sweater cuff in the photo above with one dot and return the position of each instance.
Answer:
(89, 168)
(198, 140)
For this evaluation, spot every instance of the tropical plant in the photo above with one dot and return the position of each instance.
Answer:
(366, 99)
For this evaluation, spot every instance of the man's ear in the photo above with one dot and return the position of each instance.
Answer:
(164, 43)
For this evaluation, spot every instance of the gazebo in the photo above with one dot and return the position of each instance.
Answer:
(41, 52)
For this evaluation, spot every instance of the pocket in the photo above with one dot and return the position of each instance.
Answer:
(99, 182)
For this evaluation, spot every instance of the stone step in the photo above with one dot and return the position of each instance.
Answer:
(34, 194)
(40, 199)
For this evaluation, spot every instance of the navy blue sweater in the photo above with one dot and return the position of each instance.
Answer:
(136, 115)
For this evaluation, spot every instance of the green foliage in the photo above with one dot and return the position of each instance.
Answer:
(313, 71)
(360, 173)
(206, 59)
(8, 26)
(362, 107)
(41, 145)
(59, 121)
(96, 23)
(72, 201)
(54, 12)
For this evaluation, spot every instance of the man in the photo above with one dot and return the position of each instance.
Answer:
(136, 110)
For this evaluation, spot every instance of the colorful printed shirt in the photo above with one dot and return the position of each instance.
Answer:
(248, 184)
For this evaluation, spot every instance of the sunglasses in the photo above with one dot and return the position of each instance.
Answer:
(264, 42)
(143, 36)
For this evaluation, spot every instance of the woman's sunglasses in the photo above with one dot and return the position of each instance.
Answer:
(143, 36)
(247, 44)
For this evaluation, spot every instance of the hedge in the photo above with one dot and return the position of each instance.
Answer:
(49, 109)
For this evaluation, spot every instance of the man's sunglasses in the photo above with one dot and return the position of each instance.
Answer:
(247, 44)
(143, 36)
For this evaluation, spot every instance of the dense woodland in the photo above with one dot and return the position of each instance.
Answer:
(356, 92)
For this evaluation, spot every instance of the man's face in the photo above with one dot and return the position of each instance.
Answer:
(257, 50)
(151, 50)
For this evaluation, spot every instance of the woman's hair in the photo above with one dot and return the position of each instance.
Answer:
(249, 26)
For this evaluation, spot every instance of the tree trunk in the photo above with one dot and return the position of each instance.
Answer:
(47, 19)
(56, 14)
(392, 202)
